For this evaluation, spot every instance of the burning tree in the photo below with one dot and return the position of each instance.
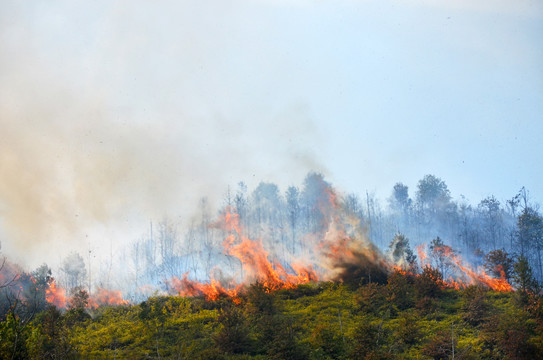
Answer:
(441, 255)
(336, 244)
(460, 273)
(255, 263)
(499, 264)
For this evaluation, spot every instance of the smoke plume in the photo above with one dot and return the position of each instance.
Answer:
(95, 141)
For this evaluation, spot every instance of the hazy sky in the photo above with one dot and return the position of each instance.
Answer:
(112, 112)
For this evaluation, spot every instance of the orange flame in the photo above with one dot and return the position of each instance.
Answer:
(255, 265)
(342, 242)
(211, 291)
(465, 275)
(338, 249)
(481, 277)
(255, 261)
(55, 295)
(423, 257)
(401, 270)
(106, 297)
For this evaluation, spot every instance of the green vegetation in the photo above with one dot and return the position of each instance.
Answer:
(406, 318)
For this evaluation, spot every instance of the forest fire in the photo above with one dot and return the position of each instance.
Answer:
(342, 253)
(239, 274)
(401, 270)
(55, 295)
(211, 291)
(255, 266)
(345, 250)
(333, 244)
(255, 261)
(106, 297)
(462, 274)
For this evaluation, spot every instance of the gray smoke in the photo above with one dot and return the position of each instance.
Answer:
(105, 124)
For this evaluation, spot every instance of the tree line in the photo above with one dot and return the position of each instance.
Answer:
(284, 221)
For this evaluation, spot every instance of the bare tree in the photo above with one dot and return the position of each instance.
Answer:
(293, 213)
(491, 220)
(74, 270)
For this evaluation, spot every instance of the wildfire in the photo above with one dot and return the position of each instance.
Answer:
(464, 274)
(106, 297)
(400, 270)
(423, 258)
(255, 263)
(211, 291)
(481, 277)
(345, 255)
(55, 295)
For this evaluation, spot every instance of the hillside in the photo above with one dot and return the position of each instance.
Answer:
(300, 278)
(409, 317)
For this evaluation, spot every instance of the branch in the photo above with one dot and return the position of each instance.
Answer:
(10, 282)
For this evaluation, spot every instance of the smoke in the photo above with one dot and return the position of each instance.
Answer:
(348, 254)
(96, 138)
(57, 178)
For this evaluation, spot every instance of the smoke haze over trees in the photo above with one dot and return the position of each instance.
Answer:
(287, 221)
(343, 238)
(236, 149)
(291, 222)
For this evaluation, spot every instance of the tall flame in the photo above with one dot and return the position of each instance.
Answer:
(340, 248)
(423, 257)
(255, 266)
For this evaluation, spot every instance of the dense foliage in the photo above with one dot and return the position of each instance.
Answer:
(407, 317)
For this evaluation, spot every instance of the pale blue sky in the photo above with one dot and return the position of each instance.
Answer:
(148, 105)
